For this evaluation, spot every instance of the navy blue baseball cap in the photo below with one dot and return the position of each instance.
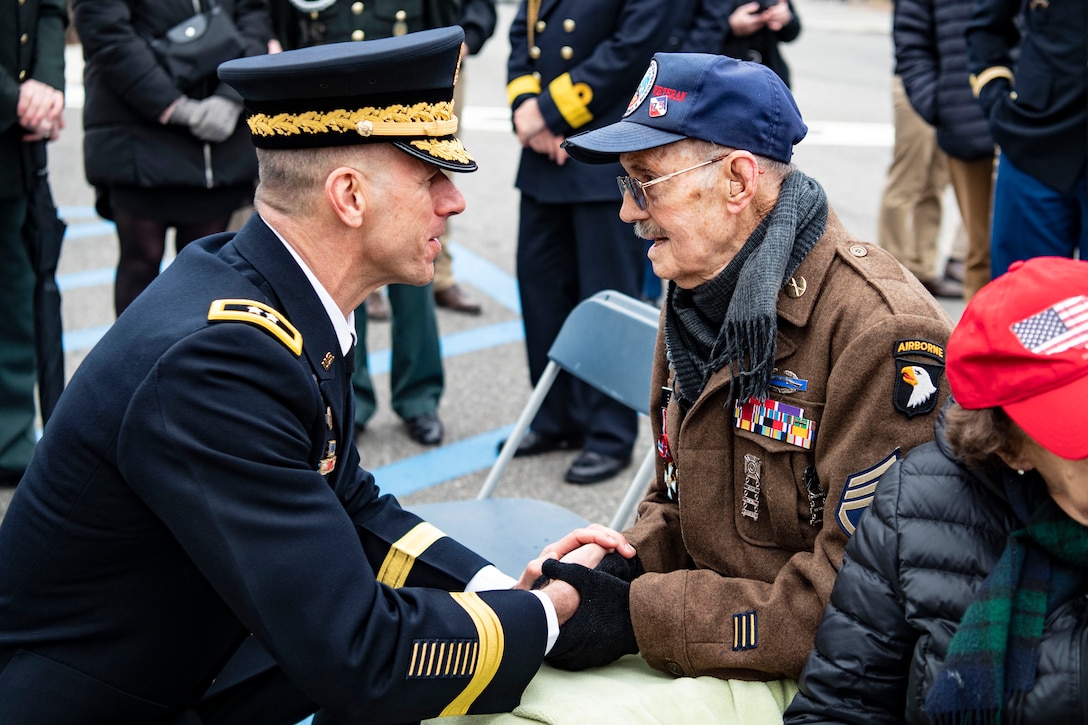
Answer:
(392, 90)
(715, 98)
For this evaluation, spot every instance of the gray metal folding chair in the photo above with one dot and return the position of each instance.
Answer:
(607, 341)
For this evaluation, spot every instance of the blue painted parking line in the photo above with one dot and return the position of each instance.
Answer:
(438, 465)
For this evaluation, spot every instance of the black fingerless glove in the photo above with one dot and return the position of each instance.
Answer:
(621, 567)
(600, 631)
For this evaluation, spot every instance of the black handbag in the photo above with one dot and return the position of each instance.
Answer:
(193, 49)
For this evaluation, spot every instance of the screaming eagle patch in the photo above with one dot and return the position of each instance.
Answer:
(919, 365)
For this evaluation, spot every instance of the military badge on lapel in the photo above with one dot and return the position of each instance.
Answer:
(917, 381)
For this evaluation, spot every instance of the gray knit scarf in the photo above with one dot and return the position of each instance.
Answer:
(731, 320)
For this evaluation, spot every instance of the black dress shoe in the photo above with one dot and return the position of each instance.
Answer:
(534, 444)
(591, 467)
(944, 287)
(425, 429)
(956, 270)
(454, 298)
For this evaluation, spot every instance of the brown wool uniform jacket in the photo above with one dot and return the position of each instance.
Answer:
(741, 564)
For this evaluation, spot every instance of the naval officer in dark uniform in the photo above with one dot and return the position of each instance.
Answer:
(571, 66)
(197, 481)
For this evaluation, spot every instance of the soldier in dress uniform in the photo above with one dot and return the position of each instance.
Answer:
(193, 486)
(417, 375)
(31, 102)
(571, 67)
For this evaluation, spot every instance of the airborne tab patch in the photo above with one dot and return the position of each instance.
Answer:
(917, 382)
(261, 315)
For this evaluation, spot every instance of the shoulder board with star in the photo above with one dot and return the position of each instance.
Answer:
(259, 314)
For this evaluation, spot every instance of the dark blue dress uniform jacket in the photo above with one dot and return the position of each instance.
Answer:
(583, 62)
(175, 505)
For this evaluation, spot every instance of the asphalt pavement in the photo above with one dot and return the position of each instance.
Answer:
(841, 66)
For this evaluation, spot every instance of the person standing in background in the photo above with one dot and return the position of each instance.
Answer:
(417, 375)
(910, 207)
(31, 104)
(1038, 113)
(159, 155)
(744, 30)
(571, 68)
(931, 61)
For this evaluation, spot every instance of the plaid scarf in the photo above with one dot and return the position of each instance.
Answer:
(995, 650)
(732, 319)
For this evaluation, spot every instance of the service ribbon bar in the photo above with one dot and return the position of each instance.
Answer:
(775, 419)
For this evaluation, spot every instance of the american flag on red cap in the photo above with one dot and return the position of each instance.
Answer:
(1056, 329)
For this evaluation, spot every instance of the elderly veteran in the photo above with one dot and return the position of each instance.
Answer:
(794, 365)
(197, 482)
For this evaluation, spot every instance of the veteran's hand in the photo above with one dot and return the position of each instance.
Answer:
(585, 546)
(40, 110)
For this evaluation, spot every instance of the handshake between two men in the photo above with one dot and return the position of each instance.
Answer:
(587, 575)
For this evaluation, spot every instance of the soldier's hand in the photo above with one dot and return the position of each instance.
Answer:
(528, 121)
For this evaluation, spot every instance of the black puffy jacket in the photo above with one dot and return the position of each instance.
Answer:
(931, 58)
(931, 536)
(127, 90)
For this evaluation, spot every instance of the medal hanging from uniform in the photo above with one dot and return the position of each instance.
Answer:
(669, 475)
(328, 462)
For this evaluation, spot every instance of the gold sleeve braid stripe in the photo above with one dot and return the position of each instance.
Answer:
(259, 314)
(991, 73)
(402, 554)
(422, 119)
(443, 659)
(520, 86)
(572, 100)
(492, 645)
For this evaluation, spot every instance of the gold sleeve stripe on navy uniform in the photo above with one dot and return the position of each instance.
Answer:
(991, 73)
(402, 554)
(443, 658)
(261, 315)
(572, 100)
(492, 644)
(522, 85)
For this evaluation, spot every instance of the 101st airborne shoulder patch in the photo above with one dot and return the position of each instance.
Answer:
(919, 365)
(259, 314)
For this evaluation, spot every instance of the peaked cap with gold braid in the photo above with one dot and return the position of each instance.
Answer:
(393, 90)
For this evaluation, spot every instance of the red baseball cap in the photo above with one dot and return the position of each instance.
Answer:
(1022, 344)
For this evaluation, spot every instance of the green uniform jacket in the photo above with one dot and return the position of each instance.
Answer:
(31, 47)
(740, 566)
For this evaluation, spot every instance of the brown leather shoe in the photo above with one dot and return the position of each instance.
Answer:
(454, 298)
(944, 287)
(376, 306)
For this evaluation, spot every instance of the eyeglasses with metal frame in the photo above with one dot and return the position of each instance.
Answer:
(637, 189)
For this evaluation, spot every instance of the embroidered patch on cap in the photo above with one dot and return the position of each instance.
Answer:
(917, 382)
(745, 631)
(1055, 329)
(643, 90)
(859, 491)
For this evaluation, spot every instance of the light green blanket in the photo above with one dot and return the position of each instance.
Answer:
(629, 692)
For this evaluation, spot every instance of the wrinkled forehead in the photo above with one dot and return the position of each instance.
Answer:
(660, 156)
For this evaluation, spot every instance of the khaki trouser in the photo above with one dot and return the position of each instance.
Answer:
(974, 185)
(910, 210)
